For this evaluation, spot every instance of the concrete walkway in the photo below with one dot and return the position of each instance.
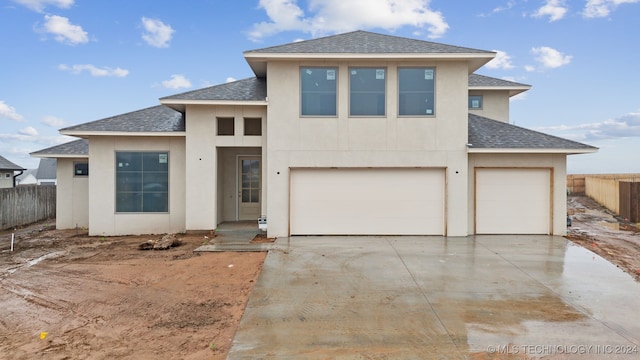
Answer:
(438, 298)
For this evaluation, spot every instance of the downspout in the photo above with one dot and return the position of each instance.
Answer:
(15, 176)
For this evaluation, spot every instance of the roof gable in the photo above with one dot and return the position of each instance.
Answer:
(364, 42)
(154, 119)
(76, 148)
(8, 165)
(251, 89)
(47, 169)
(485, 133)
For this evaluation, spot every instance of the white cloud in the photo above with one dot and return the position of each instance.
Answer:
(501, 61)
(94, 70)
(230, 79)
(53, 121)
(28, 131)
(156, 33)
(64, 31)
(39, 5)
(624, 126)
(177, 82)
(550, 57)
(554, 9)
(602, 8)
(334, 16)
(9, 112)
(529, 68)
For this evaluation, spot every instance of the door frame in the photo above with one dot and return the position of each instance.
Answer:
(238, 189)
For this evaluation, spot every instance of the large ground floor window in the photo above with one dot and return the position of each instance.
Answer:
(142, 181)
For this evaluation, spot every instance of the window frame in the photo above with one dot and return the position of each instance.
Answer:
(384, 90)
(141, 192)
(7, 175)
(481, 102)
(433, 70)
(75, 169)
(309, 70)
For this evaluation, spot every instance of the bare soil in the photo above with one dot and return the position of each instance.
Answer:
(66, 295)
(601, 231)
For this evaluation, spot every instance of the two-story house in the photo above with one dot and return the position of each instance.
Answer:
(357, 133)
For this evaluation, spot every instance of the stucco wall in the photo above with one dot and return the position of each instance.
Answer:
(201, 160)
(389, 141)
(556, 162)
(103, 220)
(72, 205)
(495, 104)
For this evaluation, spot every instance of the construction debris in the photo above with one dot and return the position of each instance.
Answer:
(167, 241)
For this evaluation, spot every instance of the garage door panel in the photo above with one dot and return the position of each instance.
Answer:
(513, 201)
(367, 201)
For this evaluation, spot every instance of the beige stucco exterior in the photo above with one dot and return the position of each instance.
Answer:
(495, 104)
(72, 206)
(103, 220)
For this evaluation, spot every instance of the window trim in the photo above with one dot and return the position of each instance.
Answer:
(435, 75)
(158, 152)
(7, 175)
(481, 102)
(75, 172)
(386, 90)
(336, 80)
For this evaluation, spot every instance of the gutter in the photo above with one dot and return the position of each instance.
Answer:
(15, 176)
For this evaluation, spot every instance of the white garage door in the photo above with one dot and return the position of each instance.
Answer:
(513, 201)
(367, 201)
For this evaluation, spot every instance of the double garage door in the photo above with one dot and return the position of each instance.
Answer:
(367, 201)
(513, 201)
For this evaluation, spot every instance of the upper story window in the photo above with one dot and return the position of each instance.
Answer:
(475, 101)
(367, 91)
(416, 91)
(318, 91)
(226, 126)
(142, 182)
(80, 169)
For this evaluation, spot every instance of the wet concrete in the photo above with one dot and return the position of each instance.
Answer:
(438, 298)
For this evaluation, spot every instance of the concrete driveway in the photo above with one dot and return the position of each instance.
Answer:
(438, 298)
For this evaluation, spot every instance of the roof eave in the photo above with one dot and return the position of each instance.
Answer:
(60, 156)
(472, 150)
(179, 104)
(257, 61)
(86, 134)
(513, 90)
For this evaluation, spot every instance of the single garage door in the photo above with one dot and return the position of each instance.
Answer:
(513, 201)
(367, 201)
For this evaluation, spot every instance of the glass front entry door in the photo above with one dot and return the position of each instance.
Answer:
(249, 182)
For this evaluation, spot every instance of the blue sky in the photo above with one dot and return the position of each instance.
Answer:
(66, 62)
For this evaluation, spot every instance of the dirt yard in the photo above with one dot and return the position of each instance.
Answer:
(604, 233)
(65, 295)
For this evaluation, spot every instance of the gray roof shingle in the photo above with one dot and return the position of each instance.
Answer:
(251, 89)
(47, 169)
(154, 119)
(485, 133)
(77, 147)
(8, 165)
(364, 42)
(482, 80)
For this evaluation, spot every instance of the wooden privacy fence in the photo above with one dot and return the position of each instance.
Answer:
(26, 204)
(619, 193)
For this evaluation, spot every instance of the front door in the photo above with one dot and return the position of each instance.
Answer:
(249, 171)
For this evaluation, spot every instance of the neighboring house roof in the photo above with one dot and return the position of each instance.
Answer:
(246, 91)
(363, 44)
(47, 169)
(77, 148)
(8, 165)
(487, 135)
(27, 177)
(482, 82)
(150, 120)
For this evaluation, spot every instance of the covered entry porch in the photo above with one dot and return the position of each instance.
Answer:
(240, 183)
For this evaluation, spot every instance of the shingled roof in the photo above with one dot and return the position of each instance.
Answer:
(485, 133)
(251, 89)
(477, 80)
(76, 148)
(364, 42)
(8, 165)
(154, 119)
